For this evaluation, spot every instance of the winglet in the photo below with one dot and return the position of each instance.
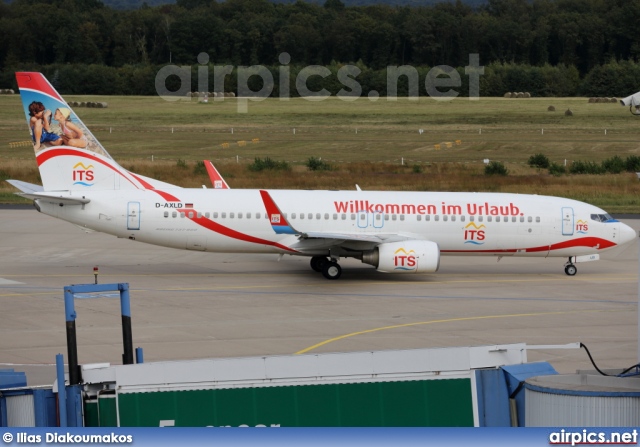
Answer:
(216, 179)
(278, 221)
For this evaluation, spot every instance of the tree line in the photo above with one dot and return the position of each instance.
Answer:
(546, 47)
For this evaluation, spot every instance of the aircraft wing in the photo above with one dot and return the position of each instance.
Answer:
(320, 239)
(377, 238)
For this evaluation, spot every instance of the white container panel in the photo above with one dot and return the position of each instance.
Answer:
(20, 411)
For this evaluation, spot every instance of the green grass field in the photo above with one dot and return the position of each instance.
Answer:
(373, 144)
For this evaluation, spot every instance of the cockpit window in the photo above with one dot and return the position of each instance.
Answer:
(602, 218)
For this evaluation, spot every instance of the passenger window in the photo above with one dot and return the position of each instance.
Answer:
(363, 217)
(190, 214)
(537, 219)
(481, 218)
(326, 216)
(335, 216)
(471, 218)
(461, 218)
(427, 218)
(199, 215)
(394, 217)
(344, 217)
(182, 214)
(215, 214)
(513, 219)
(529, 219)
(293, 215)
(224, 215)
(248, 215)
(174, 214)
(206, 214)
(419, 217)
(386, 217)
(310, 216)
(166, 214)
(436, 218)
(497, 218)
(378, 216)
(302, 216)
(401, 216)
(453, 218)
(521, 218)
(318, 216)
(232, 215)
(489, 218)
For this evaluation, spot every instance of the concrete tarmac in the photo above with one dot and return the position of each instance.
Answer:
(188, 305)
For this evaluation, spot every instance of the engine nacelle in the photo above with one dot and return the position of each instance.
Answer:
(404, 257)
(632, 100)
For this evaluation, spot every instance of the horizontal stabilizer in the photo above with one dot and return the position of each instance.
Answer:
(26, 187)
(55, 198)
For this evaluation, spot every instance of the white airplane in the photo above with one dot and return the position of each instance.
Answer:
(396, 232)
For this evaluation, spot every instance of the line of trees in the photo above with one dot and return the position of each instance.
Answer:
(615, 79)
(524, 44)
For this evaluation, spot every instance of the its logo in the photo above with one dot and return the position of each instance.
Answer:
(217, 184)
(582, 227)
(275, 218)
(474, 234)
(405, 260)
(82, 174)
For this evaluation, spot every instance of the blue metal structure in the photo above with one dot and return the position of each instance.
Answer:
(500, 393)
(70, 314)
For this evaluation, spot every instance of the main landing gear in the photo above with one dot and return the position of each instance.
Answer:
(329, 268)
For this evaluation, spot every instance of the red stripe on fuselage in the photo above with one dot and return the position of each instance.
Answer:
(591, 242)
(165, 195)
(226, 231)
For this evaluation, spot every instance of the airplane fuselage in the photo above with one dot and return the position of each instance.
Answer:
(460, 223)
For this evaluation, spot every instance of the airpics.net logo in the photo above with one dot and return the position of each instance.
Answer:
(440, 82)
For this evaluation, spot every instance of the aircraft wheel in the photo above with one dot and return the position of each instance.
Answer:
(570, 270)
(317, 262)
(331, 270)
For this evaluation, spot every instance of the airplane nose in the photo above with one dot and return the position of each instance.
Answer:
(627, 234)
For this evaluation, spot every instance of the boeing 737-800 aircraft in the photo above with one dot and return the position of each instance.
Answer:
(396, 232)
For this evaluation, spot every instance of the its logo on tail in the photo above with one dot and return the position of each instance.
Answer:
(82, 174)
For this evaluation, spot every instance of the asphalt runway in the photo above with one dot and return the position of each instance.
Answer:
(188, 305)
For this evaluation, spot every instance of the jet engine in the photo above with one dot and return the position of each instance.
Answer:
(631, 100)
(404, 257)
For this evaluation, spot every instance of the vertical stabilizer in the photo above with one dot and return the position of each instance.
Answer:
(69, 156)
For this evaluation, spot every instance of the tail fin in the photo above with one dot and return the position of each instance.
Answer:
(69, 156)
(216, 179)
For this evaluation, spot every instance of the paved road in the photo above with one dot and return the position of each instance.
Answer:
(197, 305)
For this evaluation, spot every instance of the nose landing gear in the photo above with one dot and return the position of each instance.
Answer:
(570, 269)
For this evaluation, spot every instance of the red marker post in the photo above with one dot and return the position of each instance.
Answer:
(95, 273)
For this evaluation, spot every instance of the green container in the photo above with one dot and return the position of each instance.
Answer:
(411, 403)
